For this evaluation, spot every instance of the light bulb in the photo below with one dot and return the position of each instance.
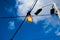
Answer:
(29, 17)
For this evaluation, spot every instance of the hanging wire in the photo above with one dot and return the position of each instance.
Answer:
(18, 29)
(42, 15)
(12, 17)
(46, 5)
(34, 4)
(23, 16)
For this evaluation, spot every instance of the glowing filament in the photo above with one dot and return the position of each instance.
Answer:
(29, 18)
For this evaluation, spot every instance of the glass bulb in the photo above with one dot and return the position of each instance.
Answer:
(29, 18)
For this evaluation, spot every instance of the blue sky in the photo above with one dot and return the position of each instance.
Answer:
(42, 27)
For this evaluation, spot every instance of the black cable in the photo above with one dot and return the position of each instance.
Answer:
(12, 17)
(34, 4)
(18, 29)
(23, 16)
(46, 5)
(42, 15)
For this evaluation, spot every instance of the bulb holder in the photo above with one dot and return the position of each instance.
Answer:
(52, 11)
(38, 11)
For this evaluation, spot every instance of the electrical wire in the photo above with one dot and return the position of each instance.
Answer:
(34, 4)
(23, 16)
(12, 17)
(46, 5)
(42, 15)
(18, 29)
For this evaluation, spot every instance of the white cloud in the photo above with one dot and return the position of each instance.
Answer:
(11, 25)
(55, 23)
